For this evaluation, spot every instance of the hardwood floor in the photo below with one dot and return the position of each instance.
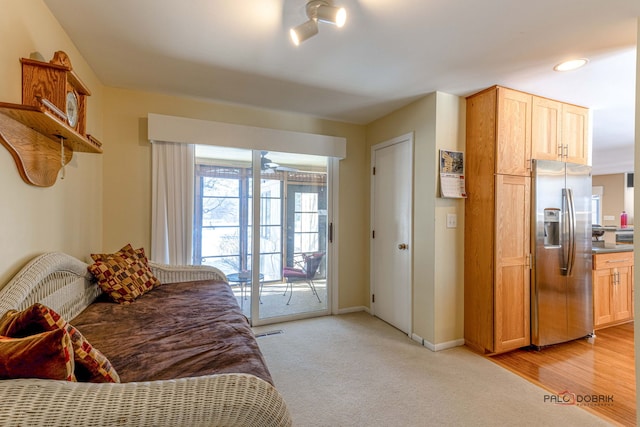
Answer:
(602, 370)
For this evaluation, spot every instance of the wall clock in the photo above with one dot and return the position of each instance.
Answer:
(55, 86)
(72, 109)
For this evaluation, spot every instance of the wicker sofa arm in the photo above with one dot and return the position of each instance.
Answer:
(185, 273)
(213, 400)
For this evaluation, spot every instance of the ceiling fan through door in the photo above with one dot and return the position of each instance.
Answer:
(268, 166)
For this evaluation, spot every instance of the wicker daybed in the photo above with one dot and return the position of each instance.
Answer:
(63, 283)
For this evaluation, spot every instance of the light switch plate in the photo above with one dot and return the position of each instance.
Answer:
(452, 220)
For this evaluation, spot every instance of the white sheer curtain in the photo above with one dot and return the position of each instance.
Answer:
(172, 202)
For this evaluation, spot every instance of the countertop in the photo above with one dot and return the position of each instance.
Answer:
(599, 248)
(612, 228)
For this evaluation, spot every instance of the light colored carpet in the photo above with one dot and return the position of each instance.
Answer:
(356, 370)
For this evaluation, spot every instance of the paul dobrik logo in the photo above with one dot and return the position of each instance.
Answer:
(568, 398)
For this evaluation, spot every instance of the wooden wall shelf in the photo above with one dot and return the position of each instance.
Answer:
(44, 130)
(32, 135)
(46, 123)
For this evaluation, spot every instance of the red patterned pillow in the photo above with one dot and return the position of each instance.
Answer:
(48, 355)
(125, 264)
(90, 364)
(122, 279)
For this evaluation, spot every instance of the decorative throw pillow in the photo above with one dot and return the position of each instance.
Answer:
(121, 279)
(122, 261)
(90, 364)
(48, 355)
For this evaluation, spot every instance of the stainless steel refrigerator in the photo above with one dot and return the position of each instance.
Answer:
(561, 288)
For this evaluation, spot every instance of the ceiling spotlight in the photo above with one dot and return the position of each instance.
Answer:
(318, 10)
(571, 65)
(330, 14)
(303, 31)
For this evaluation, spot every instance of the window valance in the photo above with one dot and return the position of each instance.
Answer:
(194, 131)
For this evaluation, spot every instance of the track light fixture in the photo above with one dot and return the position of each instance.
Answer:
(317, 10)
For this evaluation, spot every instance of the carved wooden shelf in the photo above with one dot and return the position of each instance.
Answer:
(46, 123)
(33, 136)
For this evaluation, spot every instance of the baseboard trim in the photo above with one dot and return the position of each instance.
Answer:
(354, 309)
(439, 346)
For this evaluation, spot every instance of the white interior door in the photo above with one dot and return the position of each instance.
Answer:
(391, 247)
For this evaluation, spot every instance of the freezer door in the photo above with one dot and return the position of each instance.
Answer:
(579, 286)
(550, 250)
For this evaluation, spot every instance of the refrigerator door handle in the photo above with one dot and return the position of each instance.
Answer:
(568, 233)
(564, 268)
(572, 231)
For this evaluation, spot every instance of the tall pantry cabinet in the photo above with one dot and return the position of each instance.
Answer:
(505, 130)
(497, 218)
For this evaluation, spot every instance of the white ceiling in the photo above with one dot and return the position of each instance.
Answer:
(389, 53)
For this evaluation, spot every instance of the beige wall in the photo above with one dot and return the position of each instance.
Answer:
(67, 216)
(614, 196)
(449, 243)
(436, 121)
(127, 174)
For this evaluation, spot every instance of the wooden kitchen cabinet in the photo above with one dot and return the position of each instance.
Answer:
(506, 129)
(512, 268)
(576, 134)
(513, 139)
(546, 128)
(559, 131)
(612, 288)
(497, 221)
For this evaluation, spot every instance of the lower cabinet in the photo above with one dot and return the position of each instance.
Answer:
(612, 288)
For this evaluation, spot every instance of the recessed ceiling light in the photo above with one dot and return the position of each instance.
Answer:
(571, 65)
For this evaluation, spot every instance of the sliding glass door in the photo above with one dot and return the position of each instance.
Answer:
(289, 277)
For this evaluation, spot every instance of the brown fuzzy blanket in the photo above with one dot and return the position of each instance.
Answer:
(176, 330)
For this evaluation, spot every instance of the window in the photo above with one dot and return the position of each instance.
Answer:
(222, 236)
(221, 218)
(596, 204)
(225, 239)
(306, 222)
(271, 229)
(293, 218)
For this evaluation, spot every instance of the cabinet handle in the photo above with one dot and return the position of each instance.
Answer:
(613, 261)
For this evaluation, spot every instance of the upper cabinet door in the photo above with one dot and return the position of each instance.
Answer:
(575, 134)
(560, 131)
(546, 129)
(513, 148)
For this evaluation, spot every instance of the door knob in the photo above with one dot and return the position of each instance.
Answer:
(403, 246)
